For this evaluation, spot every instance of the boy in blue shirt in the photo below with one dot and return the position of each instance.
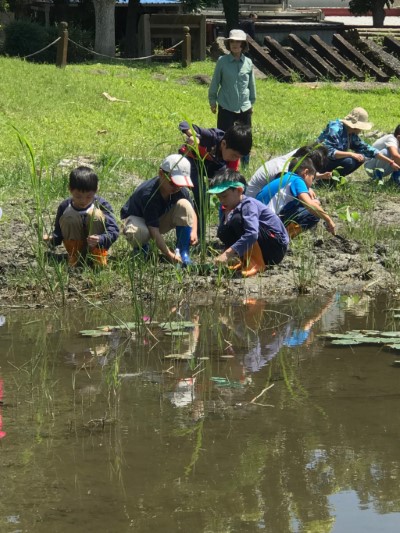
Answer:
(250, 231)
(289, 197)
(85, 222)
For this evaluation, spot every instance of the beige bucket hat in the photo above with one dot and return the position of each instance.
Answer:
(237, 35)
(357, 119)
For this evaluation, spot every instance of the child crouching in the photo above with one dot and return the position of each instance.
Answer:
(85, 222)
(250, 231)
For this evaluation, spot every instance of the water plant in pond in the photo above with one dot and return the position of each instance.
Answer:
(354, 337)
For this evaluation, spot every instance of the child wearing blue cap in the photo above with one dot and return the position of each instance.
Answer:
(251, 232)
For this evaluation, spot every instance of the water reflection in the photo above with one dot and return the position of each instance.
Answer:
(248, 420)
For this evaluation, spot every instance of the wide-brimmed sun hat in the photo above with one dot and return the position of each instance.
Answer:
(178, 169)
(357, 119)
(237, 35)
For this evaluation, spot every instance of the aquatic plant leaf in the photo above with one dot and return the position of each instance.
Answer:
(390, 334)
(396, 363)
(343, 335)
(94, 333)
(176, 326)
(347, 342)
(176, 333)
(225, 382)
(179, 356)
(393, 346)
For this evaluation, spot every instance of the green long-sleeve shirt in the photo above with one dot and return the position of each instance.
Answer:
(233, 86)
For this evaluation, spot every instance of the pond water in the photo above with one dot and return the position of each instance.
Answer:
(245, 419)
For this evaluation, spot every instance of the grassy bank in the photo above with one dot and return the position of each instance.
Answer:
(63, 114)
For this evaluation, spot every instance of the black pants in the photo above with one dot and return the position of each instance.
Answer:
(226, 119)
(272, 249)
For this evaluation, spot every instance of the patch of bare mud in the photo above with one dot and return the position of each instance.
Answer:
(324, 264)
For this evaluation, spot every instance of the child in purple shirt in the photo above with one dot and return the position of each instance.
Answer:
(250, 231)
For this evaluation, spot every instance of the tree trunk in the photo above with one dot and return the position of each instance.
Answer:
(105, 27)
(378, 13)
(231, 10)
(131, 44)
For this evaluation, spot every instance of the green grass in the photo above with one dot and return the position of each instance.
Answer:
(62, 115)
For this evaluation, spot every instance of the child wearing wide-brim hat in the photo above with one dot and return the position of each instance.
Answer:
(346, 150)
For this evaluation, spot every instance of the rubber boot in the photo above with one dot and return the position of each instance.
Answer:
(245, 161)
(253, 261)
(74, 249)
(395, 178)
(99, 256)
(183, 243)
(377, 175)
(293, 229)
(236, 266)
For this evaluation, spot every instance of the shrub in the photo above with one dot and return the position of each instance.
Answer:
(23, 37)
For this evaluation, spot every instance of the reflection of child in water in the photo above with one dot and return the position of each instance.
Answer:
(286, 334)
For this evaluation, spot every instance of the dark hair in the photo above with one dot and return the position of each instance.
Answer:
(239, 138)
(228, 175)
(83, 179)
(397, 131)
(299, 165)
(317, 153)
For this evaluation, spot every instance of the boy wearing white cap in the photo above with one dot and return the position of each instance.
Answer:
(346, 151)
(160, 205)
(233, 85)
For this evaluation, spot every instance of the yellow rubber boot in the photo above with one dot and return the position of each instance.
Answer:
(253, 261)
(99, 256)
(75, 250)
(293, 229)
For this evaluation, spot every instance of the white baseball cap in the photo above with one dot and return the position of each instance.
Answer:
(178, 169)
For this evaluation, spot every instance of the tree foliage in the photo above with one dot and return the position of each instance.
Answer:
(376, 7)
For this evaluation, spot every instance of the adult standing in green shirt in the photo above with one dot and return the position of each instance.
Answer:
(233, 86)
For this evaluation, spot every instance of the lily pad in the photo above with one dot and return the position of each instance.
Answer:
(393, 346)
(225, 382)
(174, 326)
(179, 356)
(347, 342)
(94, 333)
(176, 333)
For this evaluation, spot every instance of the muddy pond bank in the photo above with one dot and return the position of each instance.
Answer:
(363, 257)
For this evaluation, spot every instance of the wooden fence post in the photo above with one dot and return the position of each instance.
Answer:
(186, 47)
(62, 46)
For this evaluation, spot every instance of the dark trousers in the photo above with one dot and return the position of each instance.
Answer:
(299, 215)
(226, 119)
(273, 250)
(343, 166)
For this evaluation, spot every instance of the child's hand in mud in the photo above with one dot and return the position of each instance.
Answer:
(48, 239)
(93, 241)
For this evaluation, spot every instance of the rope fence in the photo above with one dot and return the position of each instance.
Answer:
(63, 40)
(43, 49)
(121, 58)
